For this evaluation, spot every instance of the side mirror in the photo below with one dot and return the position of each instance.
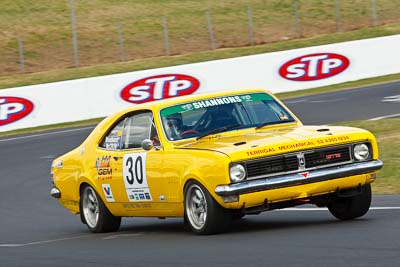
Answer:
(147, 144)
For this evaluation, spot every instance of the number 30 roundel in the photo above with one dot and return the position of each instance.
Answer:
(134, 175)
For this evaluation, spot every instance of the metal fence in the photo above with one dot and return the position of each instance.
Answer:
(84, 34)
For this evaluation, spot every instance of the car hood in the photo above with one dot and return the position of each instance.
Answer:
(241, 145)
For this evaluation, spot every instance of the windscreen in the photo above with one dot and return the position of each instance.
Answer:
(202, 117)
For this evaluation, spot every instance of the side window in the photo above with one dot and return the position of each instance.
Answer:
(137, 128)
(113, 140)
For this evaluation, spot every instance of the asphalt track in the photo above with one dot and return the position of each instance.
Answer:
(36, 231)
(372, 102)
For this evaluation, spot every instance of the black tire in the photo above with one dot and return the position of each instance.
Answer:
(347, 208)
(203, 214)
(95, 214)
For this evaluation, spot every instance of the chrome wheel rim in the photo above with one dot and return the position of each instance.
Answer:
(90, 206)
(196, 207)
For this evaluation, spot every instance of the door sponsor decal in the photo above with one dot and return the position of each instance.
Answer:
(103, 167)
(134, 175)
(108, 193)
(113, 142)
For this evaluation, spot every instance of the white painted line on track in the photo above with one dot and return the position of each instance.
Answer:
(45, 241)
(139, 234)
(66, 239)
(320, 209)
(303, 209)
(385, 117)
(393, 98)
(122, 235)
(328, 100)
(45, 134)
(295, 101)
(385, 208)
(305, 100)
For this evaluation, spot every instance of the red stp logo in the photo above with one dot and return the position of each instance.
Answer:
(314, 67)
(13, 109)
(159, 87)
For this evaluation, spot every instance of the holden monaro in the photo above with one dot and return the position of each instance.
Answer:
(213, 158)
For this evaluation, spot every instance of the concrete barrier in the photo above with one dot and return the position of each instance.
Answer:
(82, 99)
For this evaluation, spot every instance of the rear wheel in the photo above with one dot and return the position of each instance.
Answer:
(95, 214)
(202, 213)
(347, 208)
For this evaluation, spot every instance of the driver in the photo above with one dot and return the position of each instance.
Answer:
(174, 125)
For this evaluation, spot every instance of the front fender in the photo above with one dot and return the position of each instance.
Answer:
(208, 168)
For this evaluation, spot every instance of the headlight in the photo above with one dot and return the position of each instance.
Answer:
(361, 152)
(237, 172)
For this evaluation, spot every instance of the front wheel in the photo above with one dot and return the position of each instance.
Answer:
(347, 208)
(95, 214)
(202, 213)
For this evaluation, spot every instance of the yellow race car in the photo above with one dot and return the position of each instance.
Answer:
(212, 158)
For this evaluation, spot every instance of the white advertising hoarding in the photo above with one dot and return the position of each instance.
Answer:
(82, 99)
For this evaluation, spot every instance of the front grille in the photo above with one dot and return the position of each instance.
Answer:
(272, 165)
(300, 161)
(327, 156)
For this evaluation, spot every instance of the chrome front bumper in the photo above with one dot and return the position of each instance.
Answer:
(301, 178)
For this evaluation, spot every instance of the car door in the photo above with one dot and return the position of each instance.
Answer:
(140, 170)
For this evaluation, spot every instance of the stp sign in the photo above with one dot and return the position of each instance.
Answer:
(13, 109)
(159, 87)
(314, 67)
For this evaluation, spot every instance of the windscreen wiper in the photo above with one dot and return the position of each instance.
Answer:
(271, 123)
(219, 130)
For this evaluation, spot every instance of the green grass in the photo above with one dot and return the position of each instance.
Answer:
(45, 28)
(150, 63)
(387, 132)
